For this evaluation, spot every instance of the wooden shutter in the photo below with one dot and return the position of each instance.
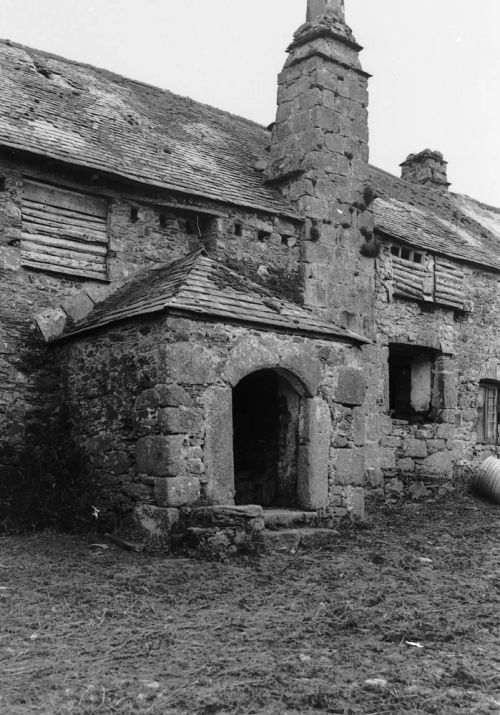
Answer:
(449, 283)
(409, 277)
(64, 231)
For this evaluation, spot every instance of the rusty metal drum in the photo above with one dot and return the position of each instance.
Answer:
(487, 479)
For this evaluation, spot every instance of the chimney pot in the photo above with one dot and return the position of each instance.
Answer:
(427, 168)
(319, 8)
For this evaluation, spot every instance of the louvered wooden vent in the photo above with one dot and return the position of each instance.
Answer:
(449, 283)
(64, 231)
(428, 278)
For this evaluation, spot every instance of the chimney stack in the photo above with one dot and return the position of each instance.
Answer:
(319, 160)
(427, 168)
(320, 8)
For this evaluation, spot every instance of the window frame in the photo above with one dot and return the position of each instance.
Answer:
(403, 355)
(488, 407)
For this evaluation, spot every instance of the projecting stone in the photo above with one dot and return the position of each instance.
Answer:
(51, 323)
(78, 306)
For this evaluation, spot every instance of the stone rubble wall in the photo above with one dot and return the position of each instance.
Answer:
(404, 454)
(264, 247)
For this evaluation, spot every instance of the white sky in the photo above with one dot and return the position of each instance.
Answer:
(436, 64)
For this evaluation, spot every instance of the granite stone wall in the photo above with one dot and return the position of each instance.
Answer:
(143, 230)
(467, 349)
(149, 404)
(319, 160)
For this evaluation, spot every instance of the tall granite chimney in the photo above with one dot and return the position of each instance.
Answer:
(319, 160)
(427, 168)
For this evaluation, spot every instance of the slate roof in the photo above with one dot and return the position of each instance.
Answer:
(94, 118)
(437, 220)
(203, 287)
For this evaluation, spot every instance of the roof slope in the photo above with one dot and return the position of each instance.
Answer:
(91, 117)
(437, 220)
(201, 286)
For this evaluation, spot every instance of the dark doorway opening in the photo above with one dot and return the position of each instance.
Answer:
(265, 440)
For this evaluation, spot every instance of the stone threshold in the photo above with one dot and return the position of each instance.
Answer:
(266, 530)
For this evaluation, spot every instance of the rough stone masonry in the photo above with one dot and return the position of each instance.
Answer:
(339, 338)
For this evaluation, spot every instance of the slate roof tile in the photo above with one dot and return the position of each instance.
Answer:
(437, 220)
(202, 287)
(92, 117)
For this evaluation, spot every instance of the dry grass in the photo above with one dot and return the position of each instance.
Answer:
(113, 632)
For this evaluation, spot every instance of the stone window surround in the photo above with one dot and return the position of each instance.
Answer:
(302, 370)
(445, 389)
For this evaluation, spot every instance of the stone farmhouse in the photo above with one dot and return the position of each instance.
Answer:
(210, 312)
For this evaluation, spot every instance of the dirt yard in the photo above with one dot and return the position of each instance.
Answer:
(402, 617)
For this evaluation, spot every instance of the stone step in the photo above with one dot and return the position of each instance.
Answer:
(277, 519)
(249, 517)
(289, 540)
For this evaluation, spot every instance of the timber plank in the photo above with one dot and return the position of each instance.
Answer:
(36, 208)
(54, 268)
(65, 198)
(48, 241)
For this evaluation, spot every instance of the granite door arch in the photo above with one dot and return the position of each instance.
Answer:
(301, 369)
(266, 421)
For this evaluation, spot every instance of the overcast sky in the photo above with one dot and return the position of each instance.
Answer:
(435, 64)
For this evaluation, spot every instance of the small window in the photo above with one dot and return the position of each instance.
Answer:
(162, 220)
(412, 383)
(238, 229)
(263, 236)
(488, 408)
(407, 254)
(134, 214)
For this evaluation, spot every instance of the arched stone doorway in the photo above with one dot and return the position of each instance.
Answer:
(298, 373)
(266, 416)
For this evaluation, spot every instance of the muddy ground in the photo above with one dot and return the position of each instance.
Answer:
(402, 617)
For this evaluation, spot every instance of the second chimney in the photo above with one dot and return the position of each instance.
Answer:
(427, 168)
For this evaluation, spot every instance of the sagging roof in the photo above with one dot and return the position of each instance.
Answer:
(94, 118)
(439, 221)
(201, 287)
(91, 117)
